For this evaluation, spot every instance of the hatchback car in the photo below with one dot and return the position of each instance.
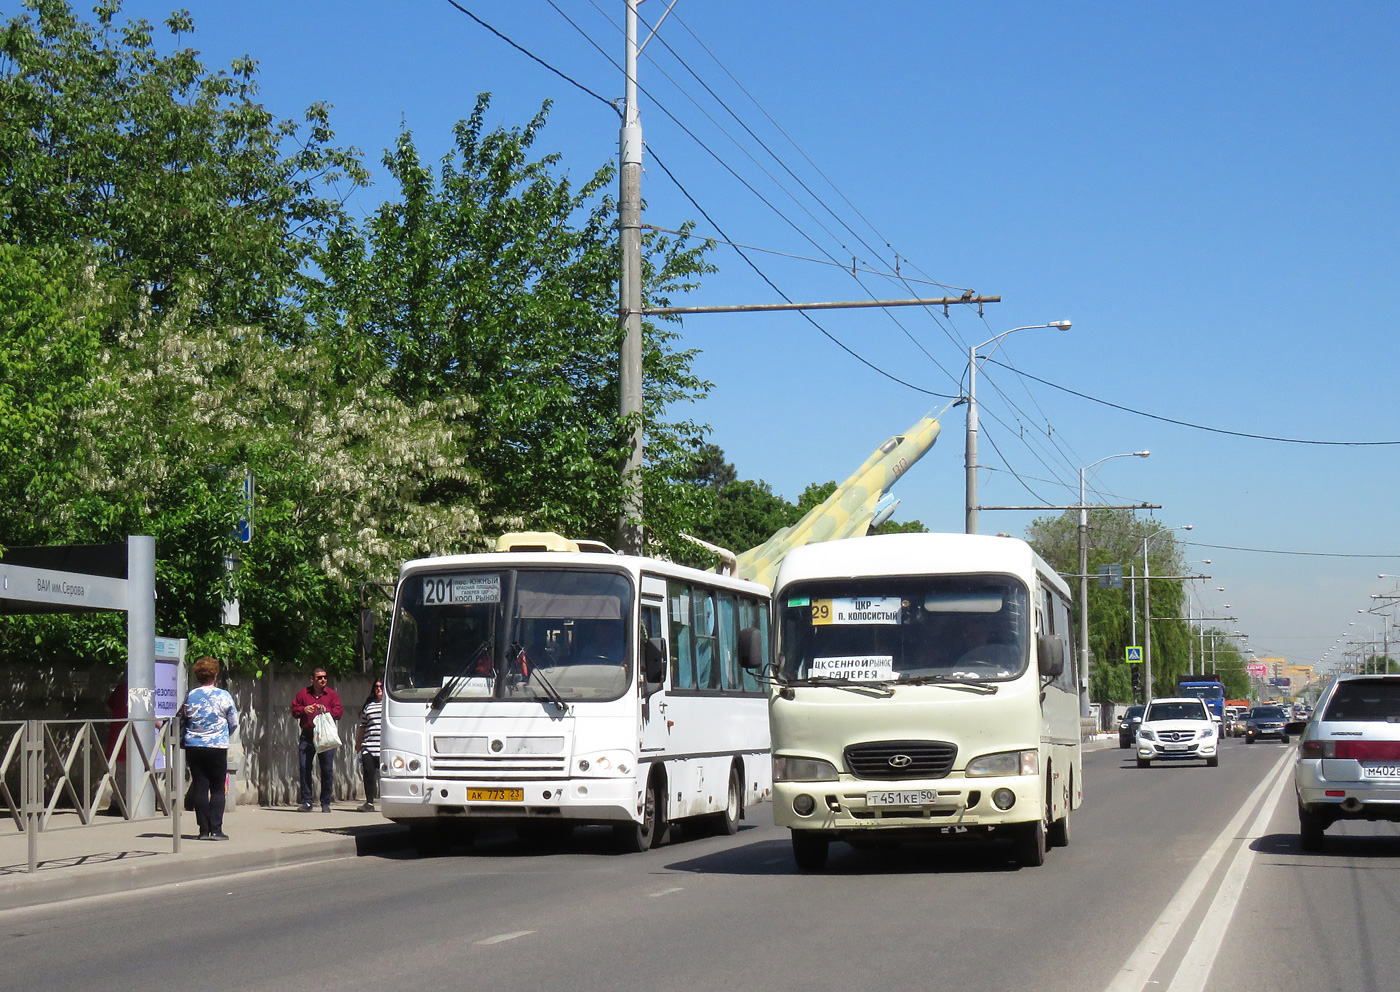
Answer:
(1177, 728)
(1349, 761)
(1265, 722)
(1128, 725)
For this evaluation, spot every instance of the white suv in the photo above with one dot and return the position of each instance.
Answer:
(1176, 728)
(1349, 762)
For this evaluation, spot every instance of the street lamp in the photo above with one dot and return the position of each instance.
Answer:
(1147, 609)
(970, 459)
(1084, 578)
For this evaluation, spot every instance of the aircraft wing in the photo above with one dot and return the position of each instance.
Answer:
(848, 511)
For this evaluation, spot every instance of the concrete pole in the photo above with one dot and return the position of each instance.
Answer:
(1084, 656)
(1146, 623)
(629, 209)
(970, 448)
(140, 667)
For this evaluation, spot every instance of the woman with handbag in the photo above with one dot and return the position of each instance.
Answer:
(207, 718)
(317, 703)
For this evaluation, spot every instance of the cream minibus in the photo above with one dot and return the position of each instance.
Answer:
(923, 688)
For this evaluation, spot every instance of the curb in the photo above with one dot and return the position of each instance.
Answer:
(38, 890)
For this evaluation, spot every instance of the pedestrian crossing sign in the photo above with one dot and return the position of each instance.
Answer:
(1134, 655)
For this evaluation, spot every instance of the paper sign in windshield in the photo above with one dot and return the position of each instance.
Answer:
(856, 610)
(440, 590)
(862, 668)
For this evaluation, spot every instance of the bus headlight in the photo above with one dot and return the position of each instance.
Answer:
(1004, 763)
(803, 770)
(603, 764)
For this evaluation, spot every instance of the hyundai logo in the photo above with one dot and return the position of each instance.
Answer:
(901, 761)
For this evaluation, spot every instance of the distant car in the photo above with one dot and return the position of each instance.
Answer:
(1176, 728)
(1128, 725)
(1349, 760)
(1264, 722)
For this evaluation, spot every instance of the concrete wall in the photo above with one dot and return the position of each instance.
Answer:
(265, 748)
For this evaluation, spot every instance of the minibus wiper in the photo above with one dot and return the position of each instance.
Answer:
(981, 688)
(450, 686)
(878, 688)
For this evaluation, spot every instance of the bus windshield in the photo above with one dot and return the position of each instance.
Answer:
(511, 634)
(899, 628)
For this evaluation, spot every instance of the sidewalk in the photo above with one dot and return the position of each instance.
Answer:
(115, 855)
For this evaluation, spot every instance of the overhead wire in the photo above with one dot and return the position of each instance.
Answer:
(810, 240)
(1199, 427)
(686, 193)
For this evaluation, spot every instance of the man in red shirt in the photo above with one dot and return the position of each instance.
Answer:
(318, 697)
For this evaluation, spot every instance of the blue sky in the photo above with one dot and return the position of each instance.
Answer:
(1207, 190)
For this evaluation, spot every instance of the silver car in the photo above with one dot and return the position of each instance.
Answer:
(1349, 760)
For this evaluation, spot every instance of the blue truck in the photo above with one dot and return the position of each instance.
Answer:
(1206, 688)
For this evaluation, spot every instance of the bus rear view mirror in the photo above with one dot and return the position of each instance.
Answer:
(750, 648)
(1050, 649)
(654, 660)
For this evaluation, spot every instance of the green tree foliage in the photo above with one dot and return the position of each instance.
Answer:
(163, 168)
(154, 221)
(495, 278)
(1116, 537)
(48, 343)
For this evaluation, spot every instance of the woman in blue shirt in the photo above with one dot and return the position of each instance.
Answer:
(209, 718)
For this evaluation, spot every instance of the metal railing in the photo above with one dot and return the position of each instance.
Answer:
(65, 766)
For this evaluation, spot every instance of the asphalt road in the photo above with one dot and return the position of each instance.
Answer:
(1156, 890)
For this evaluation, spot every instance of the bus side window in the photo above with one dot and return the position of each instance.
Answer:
(728, 643)
(749, 616)
(650, 627)
(706, 650)
(1065, 628)
(682, 637)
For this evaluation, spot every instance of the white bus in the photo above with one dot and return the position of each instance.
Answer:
(556, 683)
(923, 691)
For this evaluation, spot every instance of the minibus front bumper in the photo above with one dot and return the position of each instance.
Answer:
(855, 807)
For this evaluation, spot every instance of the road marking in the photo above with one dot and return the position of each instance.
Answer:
(664, 892)
(501, 938)
(1138, 969)
(1195, 967)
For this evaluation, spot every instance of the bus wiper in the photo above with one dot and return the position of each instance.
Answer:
(450, 686)
(879, 687)
(553, 693)
(980, 688)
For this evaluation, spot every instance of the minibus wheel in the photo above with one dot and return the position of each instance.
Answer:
(809, 849)
(1030, 844)
(1059, 829)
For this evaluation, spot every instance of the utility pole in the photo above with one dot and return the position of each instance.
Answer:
(629, 213)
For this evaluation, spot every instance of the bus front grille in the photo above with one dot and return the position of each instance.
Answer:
(900, 759)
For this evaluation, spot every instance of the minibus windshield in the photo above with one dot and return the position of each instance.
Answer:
(500, 634)
(903, 628)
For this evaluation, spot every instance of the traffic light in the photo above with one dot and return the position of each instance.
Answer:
(1137, 679)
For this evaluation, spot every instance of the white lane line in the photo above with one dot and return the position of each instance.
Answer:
(664, 892)
(501, 938)
(1148, 954)
(1195, 967)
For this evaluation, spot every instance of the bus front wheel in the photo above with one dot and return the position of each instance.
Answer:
(634, 838)
(809, 850)
(1030, 844)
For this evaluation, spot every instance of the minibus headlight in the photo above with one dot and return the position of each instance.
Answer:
(803, 770)
(1004, 763)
